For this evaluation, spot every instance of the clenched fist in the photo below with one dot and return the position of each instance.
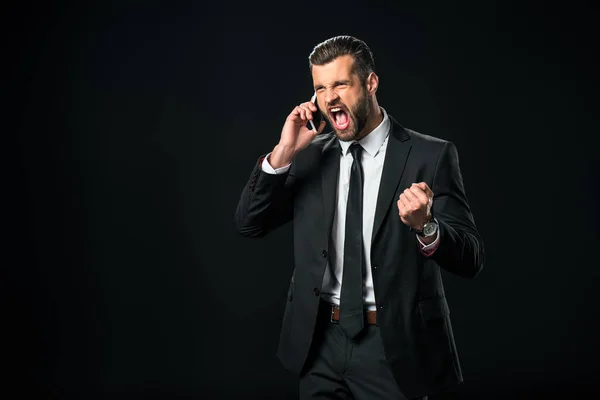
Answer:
(414, 205)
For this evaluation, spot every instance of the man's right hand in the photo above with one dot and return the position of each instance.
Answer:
(295, 136)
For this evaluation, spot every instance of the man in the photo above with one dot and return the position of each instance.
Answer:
(377, 210)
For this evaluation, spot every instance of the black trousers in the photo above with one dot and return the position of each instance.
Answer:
(341, 368)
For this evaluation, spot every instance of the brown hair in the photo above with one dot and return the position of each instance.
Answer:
(332, 48)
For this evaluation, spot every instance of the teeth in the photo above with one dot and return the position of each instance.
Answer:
(336, 109)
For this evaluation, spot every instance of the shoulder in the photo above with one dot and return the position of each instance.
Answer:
(424, 139)
(426, 149)
(427, 143)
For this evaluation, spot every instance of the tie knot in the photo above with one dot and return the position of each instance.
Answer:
(356, 151)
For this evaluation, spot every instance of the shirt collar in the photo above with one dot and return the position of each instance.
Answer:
(374, 140)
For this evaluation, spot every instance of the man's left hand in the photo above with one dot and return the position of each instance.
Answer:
(414, 205)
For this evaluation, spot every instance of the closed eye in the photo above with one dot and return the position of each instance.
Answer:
(341, 83)
(336, 84)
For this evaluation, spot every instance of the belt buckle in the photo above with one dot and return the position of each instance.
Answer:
(331, 316)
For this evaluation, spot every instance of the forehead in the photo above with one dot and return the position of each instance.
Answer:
(338, 69)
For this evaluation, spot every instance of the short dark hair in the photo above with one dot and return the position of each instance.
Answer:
(332, 48)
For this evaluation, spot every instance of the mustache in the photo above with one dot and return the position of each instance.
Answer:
(337, 104)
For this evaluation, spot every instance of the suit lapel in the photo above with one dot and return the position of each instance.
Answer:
(396, 155)
(330, 169)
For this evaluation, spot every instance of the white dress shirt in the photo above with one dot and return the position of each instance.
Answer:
(373, 156)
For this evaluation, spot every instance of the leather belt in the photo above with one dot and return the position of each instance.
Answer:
(371, 316)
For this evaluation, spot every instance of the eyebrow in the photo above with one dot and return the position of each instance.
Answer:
(337, 83)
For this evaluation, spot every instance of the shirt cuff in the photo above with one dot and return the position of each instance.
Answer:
(266, 167)
(429, 249)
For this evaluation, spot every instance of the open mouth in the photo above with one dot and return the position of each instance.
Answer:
(339, 117)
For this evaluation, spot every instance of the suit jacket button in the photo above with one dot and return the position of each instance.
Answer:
(324, 254)
(316, 291)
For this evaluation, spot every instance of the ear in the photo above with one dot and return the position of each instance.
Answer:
(372, 83)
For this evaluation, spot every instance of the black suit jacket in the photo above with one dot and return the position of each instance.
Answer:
(412, 311)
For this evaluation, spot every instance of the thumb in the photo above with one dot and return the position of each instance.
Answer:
(425, 188)
(321, 127)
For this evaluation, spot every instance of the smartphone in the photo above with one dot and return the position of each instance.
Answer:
(317, 116)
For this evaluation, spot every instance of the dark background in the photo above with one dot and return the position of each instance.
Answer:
(137, 125)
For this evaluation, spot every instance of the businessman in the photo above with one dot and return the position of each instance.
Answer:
(377, 211)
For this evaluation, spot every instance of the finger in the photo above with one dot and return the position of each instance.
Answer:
(413, 200)
(295, 114)
(402, 212)
(307, 111)
(310, 105)
(403, 205)
(425, 188)
(404, 200)
(310, 131)
(420, 194)
(321, 126)
(301, 113)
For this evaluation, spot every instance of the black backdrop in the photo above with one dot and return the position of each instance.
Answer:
(137, 125)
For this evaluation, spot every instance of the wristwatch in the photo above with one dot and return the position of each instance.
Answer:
(429, 229)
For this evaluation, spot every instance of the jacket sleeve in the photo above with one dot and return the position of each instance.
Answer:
(266, 202)
(461, 249)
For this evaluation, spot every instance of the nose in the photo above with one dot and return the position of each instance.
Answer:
(331, 96)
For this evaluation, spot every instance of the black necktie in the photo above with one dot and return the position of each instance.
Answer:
(351, 302)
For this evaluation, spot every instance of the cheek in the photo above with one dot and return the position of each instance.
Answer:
(351, 104)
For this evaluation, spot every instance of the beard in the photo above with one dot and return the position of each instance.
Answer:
(358, 115)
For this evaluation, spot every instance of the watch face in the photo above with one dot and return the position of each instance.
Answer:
(429, 228)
